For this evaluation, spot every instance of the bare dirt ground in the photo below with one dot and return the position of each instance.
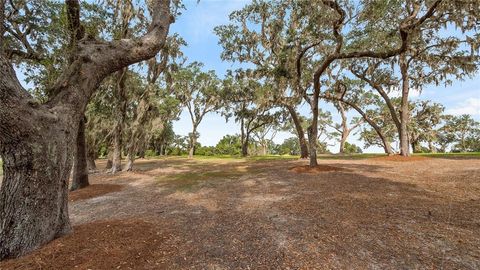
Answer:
(233, 214)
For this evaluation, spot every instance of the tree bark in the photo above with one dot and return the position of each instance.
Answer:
(120, 111)
(343, 139)
(91, 156)
(161, 151)
(37, 140)
(36, 146)
(313, 131)
(130, 160)
(391, 108)
(385, 143)
(80, 167)
(245, 138)
(431, 147)
(117, 151)
(300, 132)
(109, 164)
(245, 147)
(193, 141)
(404, 109)
(91, 162)
(345, 130)
(264, 148)
(415, 147)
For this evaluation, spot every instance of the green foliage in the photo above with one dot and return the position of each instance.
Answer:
(37, 38)
(229, 145)
(150, 153)
(352, 149)
(290, 146)
(461, 131)
(162, 138)
(205, 150)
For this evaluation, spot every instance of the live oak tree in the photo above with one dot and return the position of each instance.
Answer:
(434, 54)
(462, 131)
(412, 18)
(289, 146)
(344, 129)
(264, 136)
(425, 117)
(99, 113)
(315, 35)
(267, 49)
(155, 103)
(365, 103)
(161, 137)
(124, 14)
(199, 92)
(36, 139)
(40, 36)
(244, 100)
(229, 145)
(297, 125)
(381, 130)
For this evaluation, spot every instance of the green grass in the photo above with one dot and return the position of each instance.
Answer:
(350, 156)
(217, 157)
(273, 157)
(451, 155)
(193, 180)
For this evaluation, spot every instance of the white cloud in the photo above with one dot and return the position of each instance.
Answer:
(469, 106)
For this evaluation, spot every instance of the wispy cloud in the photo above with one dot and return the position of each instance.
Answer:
(469, 106)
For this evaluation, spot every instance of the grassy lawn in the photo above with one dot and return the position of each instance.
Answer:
(451, 155)
(470, 155)
(194, 180)
(336, 156)
(322, 156)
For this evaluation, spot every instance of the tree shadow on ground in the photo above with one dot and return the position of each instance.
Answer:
(273, 219)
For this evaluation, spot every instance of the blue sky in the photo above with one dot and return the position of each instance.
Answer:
(196, 25)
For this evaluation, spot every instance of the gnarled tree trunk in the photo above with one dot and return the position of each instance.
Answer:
(120, 111)
(404, 109)
(36, 145)
(245, 148)
(109, 164)
(91, 156)
(313, 131)
(345, 132)
(385, 143)
(300, 132)
(37, 140)
(80, 167)
(245, 137)
(193, 142)
(432, 147)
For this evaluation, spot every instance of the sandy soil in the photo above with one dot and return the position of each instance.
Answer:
(231, 214)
